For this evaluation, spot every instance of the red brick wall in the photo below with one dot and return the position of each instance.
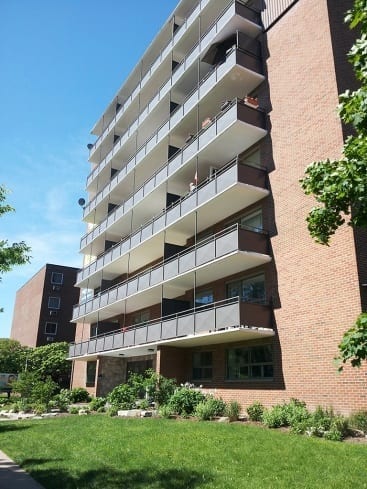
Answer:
(318, 286)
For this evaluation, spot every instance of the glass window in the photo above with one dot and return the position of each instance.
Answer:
(250, 363)
(141, 317)
(91, 374)
(54, 302)
(249, 289)
(203, 298)
(50, 328)
(253, 221)
(202, 365)
(57, 278)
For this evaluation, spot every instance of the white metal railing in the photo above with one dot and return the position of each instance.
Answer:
(206, 251)
(206, 190)
(167, 86)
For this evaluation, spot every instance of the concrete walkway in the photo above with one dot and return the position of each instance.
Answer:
(13, 477)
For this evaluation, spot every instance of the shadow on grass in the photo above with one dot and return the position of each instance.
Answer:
(12, 427)
(144, 478)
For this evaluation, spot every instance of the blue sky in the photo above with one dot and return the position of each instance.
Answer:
(60, 65)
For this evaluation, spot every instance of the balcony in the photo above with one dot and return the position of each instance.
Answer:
(232, 250)
(251, 23)
(234, 129)
(229, 190)
(241, 73)
(226, 321)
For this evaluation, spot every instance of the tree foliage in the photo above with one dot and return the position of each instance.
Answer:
(353, 346)
(12, 356)
(50, 361)
(340, 186)
(10, 254)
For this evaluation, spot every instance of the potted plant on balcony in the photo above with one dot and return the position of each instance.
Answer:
(251, 101)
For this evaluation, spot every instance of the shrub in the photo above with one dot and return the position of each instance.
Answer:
(275, 417)
(165, 411)
(61, 400)
(358, 421)
(78, 394)
(255, 411)
(97, 403)
(39, 409)
(122, 396)
(32, 388)
(184, 401)
(295, 412)
(73, 410)
(112, 411)
(233, 410)
(209, 408)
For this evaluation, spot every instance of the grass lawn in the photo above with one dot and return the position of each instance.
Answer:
(112, 453)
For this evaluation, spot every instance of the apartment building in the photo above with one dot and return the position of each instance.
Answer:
(44, 305)
(197, 260)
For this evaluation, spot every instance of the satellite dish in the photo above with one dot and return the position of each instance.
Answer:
(81, 201)
(90, 146)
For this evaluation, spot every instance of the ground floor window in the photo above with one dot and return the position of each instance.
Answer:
(138, 367)
(202, 365)
(254, 362)
(91, 374)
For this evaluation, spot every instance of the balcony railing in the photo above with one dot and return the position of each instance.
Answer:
(180, 69)
(224, 178)
(211, 318)
(236, 110)
(244, 58)
(245, 11)
(232, 239)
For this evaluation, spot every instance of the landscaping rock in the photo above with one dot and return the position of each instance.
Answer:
(129, 413)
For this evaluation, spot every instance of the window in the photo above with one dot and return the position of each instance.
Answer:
(202, 365)
(253, 221)
(248, 289)
(54, 302)
(57, 278)
(50, 328)
(250, 363)
(91, 374)
(141, 317)
(203, 298)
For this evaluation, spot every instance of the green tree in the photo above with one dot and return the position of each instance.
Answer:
(16, 253)
(340, 186)
(12, 356)
(50, 361)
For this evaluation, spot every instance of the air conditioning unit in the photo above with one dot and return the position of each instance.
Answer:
(56, 287)
(53, 313)
(49, 338)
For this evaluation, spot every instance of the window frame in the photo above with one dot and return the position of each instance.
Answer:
(250, 364)
(54, 298)
(202, 366)
(240, 281)
(92, 364)
(49, 323)
(55, 282)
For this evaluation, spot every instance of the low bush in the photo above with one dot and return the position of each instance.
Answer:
(209, 408)
(112, 411)
(73, 410)
(165, 411)
(255, 411)
(184, 401)
(233, 410)
(78, 394)
(98, 404)
(275, 417)
(122, 396)
(358, 421)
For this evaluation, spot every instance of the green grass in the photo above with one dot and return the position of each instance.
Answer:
(111, 453)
